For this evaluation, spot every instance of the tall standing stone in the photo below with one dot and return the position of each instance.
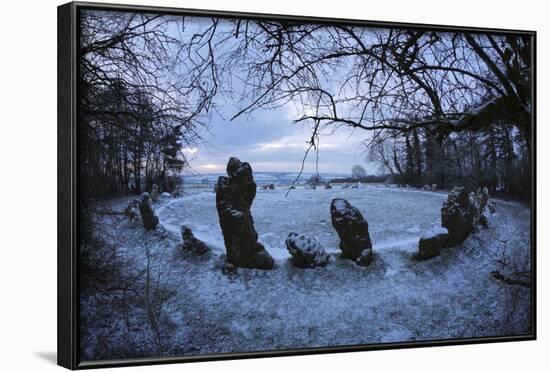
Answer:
(150, 219)
(353, 231)
(234, 196)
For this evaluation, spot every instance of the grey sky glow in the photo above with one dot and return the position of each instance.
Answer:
(267, 138)
(270, 142)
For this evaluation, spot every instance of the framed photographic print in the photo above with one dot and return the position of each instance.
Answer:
(235, 185)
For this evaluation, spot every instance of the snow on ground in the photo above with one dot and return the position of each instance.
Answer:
(396, 298)
(395, 216)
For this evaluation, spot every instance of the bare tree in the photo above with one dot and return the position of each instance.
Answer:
(145, 88)
(377, 79)
(414, 94)
(358, 172)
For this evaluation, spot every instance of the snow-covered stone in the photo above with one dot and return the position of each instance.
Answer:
(486, 207)
(306, 251)
(482, 195)
(474, 202)
(328, 185)
(353, 231)
(155, 194)
(485, 217)
(431, 242)
(365, 258)
(268, 187)
(234, 196)
(132, 210)
(434, 187)
(485, 202)
(190, 243)
(177, 192)
(459, 215)
(148, 216)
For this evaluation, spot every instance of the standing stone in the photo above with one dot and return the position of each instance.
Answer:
(482, 198)
(459, 214)
(190, 243)
(177, 191)
(155, 193)
(132, 210)
(485, 217)
(306, 251)
(482, 195)
(150, 220)
(234, 196)
(431, 243)
(353, 231)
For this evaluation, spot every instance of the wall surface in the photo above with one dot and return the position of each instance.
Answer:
(28, 184)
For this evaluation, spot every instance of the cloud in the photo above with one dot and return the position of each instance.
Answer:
(210, 168)
(189, 151)
(269, 141)
(278, 145)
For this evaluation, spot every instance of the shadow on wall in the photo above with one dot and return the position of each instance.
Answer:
(48, 356)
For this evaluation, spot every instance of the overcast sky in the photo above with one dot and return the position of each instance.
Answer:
(270, 142)
(267, 139)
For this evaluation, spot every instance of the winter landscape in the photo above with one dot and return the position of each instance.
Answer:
(259, 185)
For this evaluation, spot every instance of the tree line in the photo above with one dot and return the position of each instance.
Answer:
(448, 108)
(143, 89)
(495, 157)
(132, 152)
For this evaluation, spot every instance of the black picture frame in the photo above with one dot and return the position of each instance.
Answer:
(68, 203)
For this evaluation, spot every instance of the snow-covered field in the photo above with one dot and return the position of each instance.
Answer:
(396, 217)
(396, 298)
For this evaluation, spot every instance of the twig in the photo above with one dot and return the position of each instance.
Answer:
(312, 144)
(510, 281)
